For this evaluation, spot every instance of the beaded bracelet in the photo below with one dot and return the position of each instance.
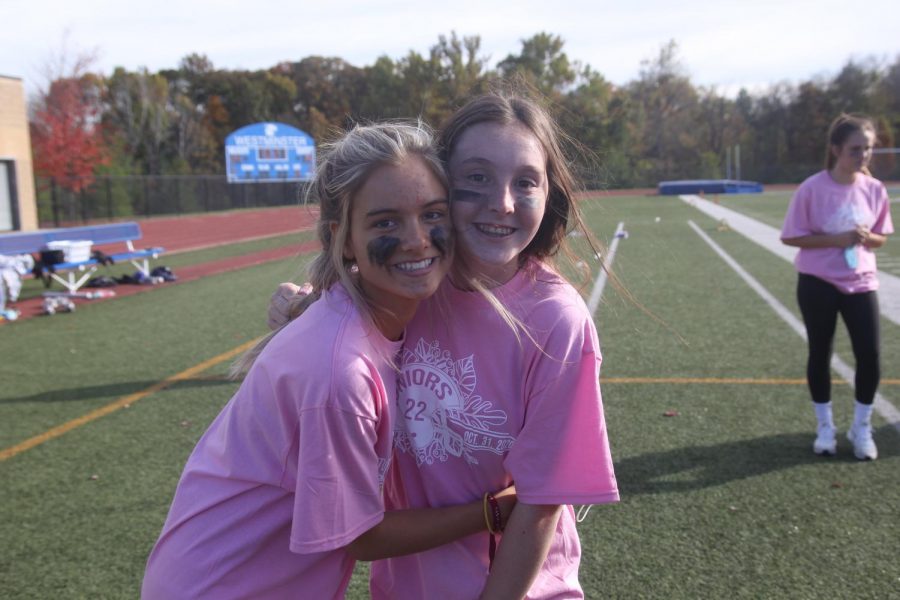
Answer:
(494, 520)
(497, 520)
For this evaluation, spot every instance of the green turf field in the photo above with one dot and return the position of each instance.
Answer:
(722, 499)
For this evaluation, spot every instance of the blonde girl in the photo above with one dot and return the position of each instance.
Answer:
(284, 490)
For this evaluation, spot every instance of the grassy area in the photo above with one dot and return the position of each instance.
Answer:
(724, 498)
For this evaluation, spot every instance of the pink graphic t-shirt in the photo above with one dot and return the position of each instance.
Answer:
(820, 205)
(291, 470)
(478, 409)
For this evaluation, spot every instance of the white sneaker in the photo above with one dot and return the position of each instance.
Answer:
(863, 444)
(826, 443)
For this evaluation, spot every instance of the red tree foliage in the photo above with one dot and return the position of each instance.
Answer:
(65, 134)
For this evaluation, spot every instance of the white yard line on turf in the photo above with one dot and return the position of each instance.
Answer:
(887, 410)
(770, 238)
(597, 292)
(593, 302)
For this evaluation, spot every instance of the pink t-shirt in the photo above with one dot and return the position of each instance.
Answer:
(477, 409)
(290, 471)
(822, 206)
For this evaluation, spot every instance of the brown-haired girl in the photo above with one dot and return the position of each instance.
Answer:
(837, 217)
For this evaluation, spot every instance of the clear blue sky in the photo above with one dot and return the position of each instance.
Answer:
(727, 43)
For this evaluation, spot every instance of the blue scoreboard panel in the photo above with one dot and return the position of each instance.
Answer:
(269, 152)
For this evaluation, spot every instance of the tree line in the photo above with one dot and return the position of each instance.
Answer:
(659, 126)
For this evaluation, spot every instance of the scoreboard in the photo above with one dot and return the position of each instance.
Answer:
(269, 152)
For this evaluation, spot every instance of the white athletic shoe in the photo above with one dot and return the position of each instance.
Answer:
(826, 442)
(863, 444)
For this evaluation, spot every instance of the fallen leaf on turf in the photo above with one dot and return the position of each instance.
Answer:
(670, 413)
(94, 477)
(837, 484)
(185, 423)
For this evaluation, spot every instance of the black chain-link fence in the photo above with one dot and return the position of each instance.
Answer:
(886, 166)
(130, 196)
(124, 197)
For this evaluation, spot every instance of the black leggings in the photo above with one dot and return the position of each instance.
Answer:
(820, 302)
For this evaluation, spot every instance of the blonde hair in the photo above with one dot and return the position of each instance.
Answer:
(343, 167)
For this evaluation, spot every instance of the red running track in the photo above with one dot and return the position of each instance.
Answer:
(194, 232)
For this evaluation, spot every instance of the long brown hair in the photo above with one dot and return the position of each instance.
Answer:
(561, 213)
(842, 128)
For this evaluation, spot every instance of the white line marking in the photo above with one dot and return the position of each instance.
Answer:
(770, 238)
(597, 292)
(887, 410)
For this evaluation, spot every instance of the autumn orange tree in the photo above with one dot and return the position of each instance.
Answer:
(66, 137)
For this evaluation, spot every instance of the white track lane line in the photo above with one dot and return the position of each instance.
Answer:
(884, 408)
(597, 292)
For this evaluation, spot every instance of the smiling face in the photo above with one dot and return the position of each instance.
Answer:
(499, 188)
(400, 238)
(854, 153)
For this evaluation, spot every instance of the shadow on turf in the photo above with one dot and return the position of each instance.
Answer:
(698, 467)
(112, 390)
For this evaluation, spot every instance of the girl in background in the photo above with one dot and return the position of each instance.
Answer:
(284, 490)
(837, 217)
(502, 386)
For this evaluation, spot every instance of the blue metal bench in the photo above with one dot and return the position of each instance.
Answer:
(78, 273)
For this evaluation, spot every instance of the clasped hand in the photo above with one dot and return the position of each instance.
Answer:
(860, 235)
